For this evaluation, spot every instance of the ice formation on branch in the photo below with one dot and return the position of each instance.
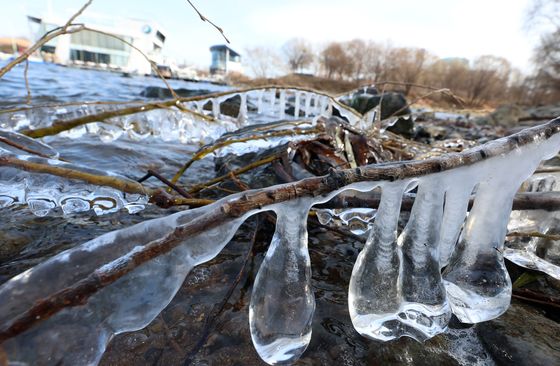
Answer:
(395, 290)
(43, 193)
(215, 115)
(541, 254)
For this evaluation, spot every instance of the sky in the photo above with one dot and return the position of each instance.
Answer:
(447, 28)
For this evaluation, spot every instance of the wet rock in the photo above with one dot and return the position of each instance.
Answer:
(522, 336)
(392, 103)
(403, 127)
(229, 107)
(164, 93)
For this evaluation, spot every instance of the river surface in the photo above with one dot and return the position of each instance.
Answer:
(175, 336)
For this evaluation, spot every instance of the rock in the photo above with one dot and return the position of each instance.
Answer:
(522, 336)
(403, 127)
(229, 107)
(392, 104)
(164, 93)
(371, 90)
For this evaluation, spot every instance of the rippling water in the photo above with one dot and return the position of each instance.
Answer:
(54, 83)
(24, 236)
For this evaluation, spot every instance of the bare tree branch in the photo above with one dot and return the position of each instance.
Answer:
(204, 19)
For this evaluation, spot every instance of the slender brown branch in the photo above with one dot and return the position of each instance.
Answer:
(152, 63)
(176, 188)
(27, 88)
(60, 126)
(128, 186)
(22, 148)
(534, 234)
(238, 171)
(219, 308)
(204, 19)
(67, 28)
(249, 202)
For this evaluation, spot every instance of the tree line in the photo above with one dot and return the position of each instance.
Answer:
(488, 79)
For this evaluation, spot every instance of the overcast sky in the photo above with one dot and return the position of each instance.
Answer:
(448, 28)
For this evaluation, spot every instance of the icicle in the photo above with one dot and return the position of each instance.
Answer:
(297, 104)
(272, 95)
(307, 104)
(456, 203)
(215, 108)
(424, 311)
(282, 302)
(260, 109)
(282, 105)
(242, 116)
(477, 282)
(374, 297)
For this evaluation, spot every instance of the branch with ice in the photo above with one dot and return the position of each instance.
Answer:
(120, 281)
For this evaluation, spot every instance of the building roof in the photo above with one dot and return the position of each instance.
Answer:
(221, 47)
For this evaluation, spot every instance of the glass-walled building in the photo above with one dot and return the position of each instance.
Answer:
(106, 46)
(224, 60)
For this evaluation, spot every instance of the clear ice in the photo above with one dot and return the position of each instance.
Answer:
(44, 193)
(282, 301)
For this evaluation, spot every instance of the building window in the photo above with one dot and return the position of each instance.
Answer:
(160, 36)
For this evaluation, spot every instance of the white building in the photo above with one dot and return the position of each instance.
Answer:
(92, 49)
(224, 60)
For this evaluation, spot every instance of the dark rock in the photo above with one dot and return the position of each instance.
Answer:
(392, 104)
(403, 127)
(229, 107)
(164, 93)
(371, 90)
(522, 336)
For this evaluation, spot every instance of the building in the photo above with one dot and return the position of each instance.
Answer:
(224, 60)
(91, 48)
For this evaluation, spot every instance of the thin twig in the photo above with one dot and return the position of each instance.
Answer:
(27, 88)
(204, 19)
(534, 234)
(60, 126)
(152, 173)
(46, 38)
(23, 148)
(219, 308)
(152, 63)
(268, 159)
(205, 150)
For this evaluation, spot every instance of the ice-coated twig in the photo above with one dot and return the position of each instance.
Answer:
(61, 126)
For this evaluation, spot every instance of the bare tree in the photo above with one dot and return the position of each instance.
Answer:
(547, 57)
(298, 54)
(262, 61)
(488, 79)
(408, 64)
(357, 52)
(335, 61)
